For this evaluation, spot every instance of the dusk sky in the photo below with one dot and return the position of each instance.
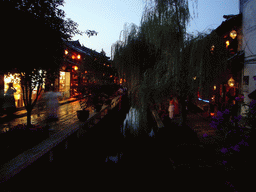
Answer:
(109, 16)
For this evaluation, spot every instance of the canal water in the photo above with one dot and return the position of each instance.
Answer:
(116, 155)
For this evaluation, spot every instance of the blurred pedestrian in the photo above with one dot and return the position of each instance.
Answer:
(176, 106)
(52, 104)
(9, 101)
(171, 108)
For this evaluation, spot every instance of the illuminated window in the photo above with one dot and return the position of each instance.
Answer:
(227, 44)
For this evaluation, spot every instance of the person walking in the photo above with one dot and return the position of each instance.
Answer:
(171, 108)
(52, 104)
(9, 101)
(176, 106)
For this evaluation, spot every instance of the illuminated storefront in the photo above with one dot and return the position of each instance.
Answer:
(65, 84)
(15, 79)
(18, 95)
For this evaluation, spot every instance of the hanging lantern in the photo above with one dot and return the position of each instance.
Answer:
(227, 44)
(233, 34)
(231, 82)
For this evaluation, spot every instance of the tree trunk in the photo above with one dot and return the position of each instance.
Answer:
(29, 111)
(183, 116)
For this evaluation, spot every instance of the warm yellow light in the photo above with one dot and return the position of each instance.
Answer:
(76, 68)
(214, 87)
(78, 56)
(66, 52)
(227, 44)
(231, 82)
(15, 79)
(212, 48)
(73, 57)
(85, 72)
(233, 34)
(194, 78)
(111, 76)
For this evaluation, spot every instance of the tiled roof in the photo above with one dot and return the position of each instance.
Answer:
(82, 49)
(229, 23)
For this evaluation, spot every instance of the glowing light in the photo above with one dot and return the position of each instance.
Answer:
(194, 78)
(85, 72)
(78, 56)
(227, 44)
(212, 48)
(66, 52)
(231, 82)
(15, 79)
(212, 114)
(73, 57)
(214, 87)
(233, 34)
(76, 68)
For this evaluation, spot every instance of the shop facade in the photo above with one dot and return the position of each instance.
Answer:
(224, 91)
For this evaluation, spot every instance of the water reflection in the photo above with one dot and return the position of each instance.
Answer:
(131, 125)
(114, 159)
(5, 129)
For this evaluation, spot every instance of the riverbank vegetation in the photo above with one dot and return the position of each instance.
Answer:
(159, 59)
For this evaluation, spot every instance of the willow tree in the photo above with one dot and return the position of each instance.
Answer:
(160, 60)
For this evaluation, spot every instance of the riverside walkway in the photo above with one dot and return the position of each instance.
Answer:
(59, 132)
(101, 159)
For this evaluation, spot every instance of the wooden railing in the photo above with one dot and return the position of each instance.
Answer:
(47, 147)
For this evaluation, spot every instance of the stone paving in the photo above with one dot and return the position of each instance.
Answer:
(67, 112)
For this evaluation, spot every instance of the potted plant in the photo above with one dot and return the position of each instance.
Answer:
(83, 114)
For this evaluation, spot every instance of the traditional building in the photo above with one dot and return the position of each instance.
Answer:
(229, 85)
(221, 91)
(248, 11)
(80, 66)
